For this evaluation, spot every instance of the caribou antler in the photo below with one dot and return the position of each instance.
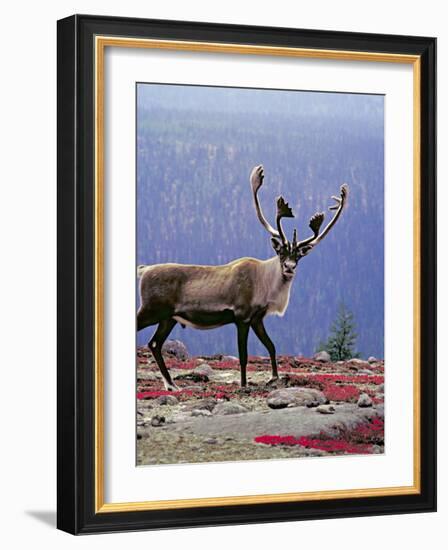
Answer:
(256, 180)
(283, 211)
(318, 218)
(283, 208)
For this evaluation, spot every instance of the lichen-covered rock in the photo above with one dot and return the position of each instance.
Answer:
(167, 400)
(296, 397)
(322, 356)
(176, 349)
(364, 400)
(372, 359)
(229, 408)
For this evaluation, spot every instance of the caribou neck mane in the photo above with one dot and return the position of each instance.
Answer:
(274, 289)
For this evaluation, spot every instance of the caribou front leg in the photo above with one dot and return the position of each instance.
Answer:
(243, 333)
(260, 331)
(155, 345)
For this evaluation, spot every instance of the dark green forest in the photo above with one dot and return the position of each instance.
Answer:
(196, 147)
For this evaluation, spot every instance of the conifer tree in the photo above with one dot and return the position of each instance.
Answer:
(342, 340)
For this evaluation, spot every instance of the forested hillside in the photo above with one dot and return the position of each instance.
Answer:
(195, 149)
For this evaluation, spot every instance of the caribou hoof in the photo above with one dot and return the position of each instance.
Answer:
(273, 380)
(171, 387)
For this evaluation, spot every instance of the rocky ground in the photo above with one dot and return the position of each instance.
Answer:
(317, 408)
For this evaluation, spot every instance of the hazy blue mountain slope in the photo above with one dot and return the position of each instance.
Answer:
(195, 150)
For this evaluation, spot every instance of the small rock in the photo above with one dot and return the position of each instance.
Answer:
(204, 369)
(322, 356)
(326, 409)
(157, 421)
(211, 440)
(167, 400)
(372, 359)
(192, 377)
(282, 398)
(311, 403)
(229, 408)
(364, 400)
(377, 450)
(203, 404)
(175, 348)
(365, 371)
(360, 363)
(200, 412)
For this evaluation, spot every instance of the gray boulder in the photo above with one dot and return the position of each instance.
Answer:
(294, 397)
(322, 356)
(229, 408)
(176, 349)
(372, 359)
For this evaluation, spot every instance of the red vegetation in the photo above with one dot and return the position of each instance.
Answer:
(328, 445)
(367, 433)
(358, 440)
(341, 393)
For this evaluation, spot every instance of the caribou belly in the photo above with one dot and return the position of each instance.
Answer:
(205, 320)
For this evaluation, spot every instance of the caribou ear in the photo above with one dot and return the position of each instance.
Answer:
(276, 244)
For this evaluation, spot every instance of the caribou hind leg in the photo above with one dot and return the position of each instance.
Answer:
(259, 329)
(155, 345)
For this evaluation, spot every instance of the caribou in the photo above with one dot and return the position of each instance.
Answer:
(242, 292)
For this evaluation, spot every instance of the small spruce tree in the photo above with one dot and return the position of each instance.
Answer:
(342, 340)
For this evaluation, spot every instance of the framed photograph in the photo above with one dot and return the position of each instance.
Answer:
(246, 274)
